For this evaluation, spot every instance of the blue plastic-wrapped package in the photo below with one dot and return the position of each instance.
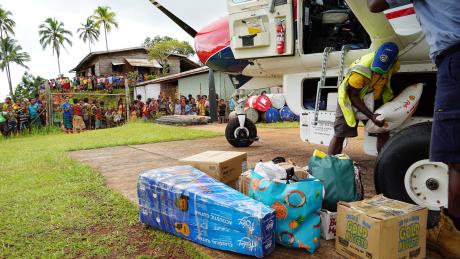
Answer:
(186, 202)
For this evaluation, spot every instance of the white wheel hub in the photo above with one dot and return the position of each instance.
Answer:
(427, 184)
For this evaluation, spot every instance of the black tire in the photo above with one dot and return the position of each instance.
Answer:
(408, 146)
(243, 139)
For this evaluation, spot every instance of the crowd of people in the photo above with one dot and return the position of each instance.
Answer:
(185, 105)
(91, 83)
(83, 84)
(77, 115)
(21, 115)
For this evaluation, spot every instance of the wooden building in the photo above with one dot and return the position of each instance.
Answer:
(122, 61)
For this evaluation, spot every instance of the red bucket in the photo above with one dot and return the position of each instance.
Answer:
(261, 103)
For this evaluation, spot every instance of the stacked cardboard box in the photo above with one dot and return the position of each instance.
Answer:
(381, 228)
(187, 202)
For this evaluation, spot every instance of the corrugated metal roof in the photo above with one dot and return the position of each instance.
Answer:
(118, 63)
(143, 63)
(174, 77)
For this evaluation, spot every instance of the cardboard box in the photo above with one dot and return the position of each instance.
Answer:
(328, 224)
(225, 166)
(381, 228)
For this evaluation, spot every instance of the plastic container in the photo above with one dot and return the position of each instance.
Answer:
(271, 115)
(261, 103)
(278, 101)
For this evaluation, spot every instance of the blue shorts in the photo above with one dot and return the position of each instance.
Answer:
(445, 136)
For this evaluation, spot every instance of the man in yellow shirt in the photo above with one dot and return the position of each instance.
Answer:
(371, 74)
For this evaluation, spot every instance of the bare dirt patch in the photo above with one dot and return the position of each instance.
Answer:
(121, 166)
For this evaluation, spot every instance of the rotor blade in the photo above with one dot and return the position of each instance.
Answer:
(175, 19)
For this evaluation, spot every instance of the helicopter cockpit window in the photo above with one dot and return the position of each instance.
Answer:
(330, 23)
(241, 1)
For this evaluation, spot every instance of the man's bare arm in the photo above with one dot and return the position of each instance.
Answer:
(377, 6)
(359, 104)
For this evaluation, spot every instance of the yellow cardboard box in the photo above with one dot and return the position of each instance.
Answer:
(225, 166)
(381, 228)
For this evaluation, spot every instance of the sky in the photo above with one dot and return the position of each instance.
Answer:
(137, 20)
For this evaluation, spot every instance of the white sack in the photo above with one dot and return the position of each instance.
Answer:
(396, 112)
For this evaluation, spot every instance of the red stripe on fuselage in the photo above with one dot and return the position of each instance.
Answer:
(400, 13)
(212, 39)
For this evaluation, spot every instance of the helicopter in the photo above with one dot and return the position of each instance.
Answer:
(305, 47)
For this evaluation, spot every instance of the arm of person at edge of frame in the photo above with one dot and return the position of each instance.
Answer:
(377, 6)
(353, 93)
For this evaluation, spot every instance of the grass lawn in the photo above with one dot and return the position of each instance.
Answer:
(52, 206)
(279, 125)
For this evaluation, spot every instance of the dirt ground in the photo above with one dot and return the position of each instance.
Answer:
(122, 165)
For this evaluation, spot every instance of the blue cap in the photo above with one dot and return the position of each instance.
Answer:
(385, 56)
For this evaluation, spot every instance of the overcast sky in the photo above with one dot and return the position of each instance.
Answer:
(137, 19)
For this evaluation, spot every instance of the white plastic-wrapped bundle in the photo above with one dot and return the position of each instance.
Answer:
(397, 111)
(232, 115)
(278, 100)
(252, 115)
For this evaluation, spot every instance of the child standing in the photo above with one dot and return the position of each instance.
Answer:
(222, 109)
(11, 118)
(23, 115)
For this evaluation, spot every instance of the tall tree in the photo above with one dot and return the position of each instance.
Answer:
(6, 28)
(161, 51)
(89, 32)
(29, 85)
(52, 33)
(184, 47)
(11, 52)
(105, 17)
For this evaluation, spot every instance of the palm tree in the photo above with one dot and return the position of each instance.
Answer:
(89, 32)
(6, 27)
(11, 52)
(103, 16)
(52, 33)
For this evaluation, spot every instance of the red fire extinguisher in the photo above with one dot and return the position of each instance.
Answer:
(280, 38)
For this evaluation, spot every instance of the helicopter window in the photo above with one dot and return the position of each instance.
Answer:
(241, 1)
(330, 23)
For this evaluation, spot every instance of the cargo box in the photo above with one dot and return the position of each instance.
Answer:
(225, 166)
(381, 228)
(186, 202)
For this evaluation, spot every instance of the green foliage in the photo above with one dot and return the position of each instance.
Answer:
(6, 23)
(280, 125)
(185, 48)
(161, 51)
(53, 34)
(105, 17)
(52, 206)
(28, 87)
(89, 32)
(11, 52)
(132, 77)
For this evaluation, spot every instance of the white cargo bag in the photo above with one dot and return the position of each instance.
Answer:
(397, 111)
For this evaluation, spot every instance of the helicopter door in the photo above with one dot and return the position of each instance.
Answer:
(261, 28)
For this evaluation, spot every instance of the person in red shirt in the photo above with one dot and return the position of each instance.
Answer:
(78, 123)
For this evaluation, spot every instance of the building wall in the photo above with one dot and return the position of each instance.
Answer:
(199, 85)
(103, 63)
(147, 91)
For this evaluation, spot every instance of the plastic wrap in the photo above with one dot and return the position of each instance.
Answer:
(186, 202)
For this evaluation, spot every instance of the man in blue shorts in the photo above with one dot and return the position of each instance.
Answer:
(440, 20)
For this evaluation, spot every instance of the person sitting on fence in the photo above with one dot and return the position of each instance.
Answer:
(67, 115)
